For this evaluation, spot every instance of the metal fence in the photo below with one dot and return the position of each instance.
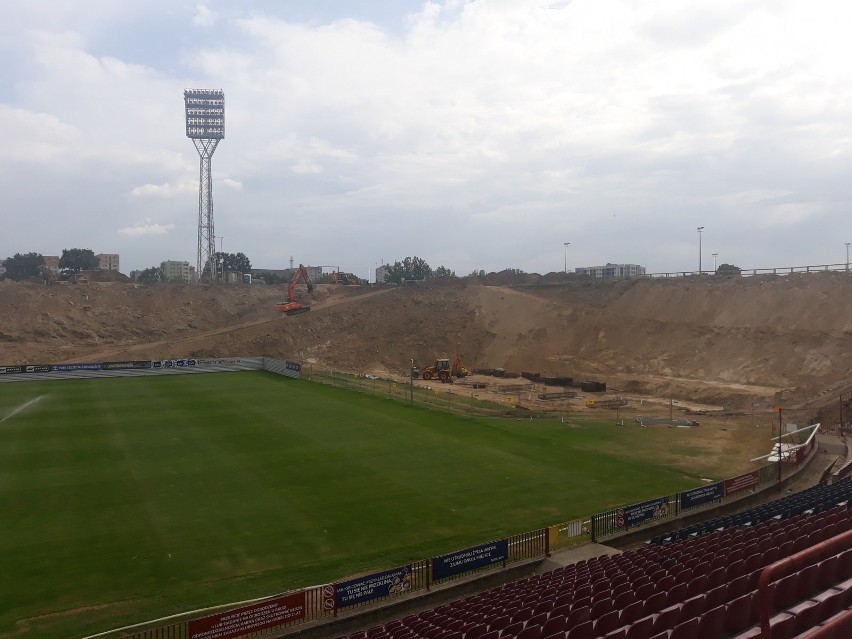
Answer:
(751, 272)
(434, 397)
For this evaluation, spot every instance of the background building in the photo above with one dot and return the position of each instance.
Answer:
(107, 261)
(382, 273)
(174, 271)
(612, 271)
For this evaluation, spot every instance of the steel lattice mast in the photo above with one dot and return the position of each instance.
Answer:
(205, 126)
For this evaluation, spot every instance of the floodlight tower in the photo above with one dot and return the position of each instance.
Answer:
(205, 126)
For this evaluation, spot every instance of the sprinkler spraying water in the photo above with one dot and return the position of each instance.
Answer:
(24, 406)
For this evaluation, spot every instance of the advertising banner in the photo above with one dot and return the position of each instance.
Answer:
(11, 369)
(125, 365)
(36, 368)
(242, 621)
(470, 559)
(703, 495)
(64, 368)
(637, 513)
(375, 586)
(742, 482)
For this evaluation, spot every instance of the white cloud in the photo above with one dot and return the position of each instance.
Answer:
(204, 17)
(519, 121)
(165, 190)
(147, 229)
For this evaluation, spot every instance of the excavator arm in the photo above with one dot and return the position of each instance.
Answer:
(291, 306)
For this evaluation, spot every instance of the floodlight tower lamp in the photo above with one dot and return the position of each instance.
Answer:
(205, 126)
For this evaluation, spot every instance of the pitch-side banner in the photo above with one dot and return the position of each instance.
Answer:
(470, 559)
(703, 495)
(375, 586)
(242, 621)
(637, 513)
(742, 482)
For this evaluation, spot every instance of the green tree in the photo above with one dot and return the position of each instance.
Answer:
(76, 260)
(150, 276)
(24, 266)
(234, 262)
(443, 271)
(728, 270)
(411, 268)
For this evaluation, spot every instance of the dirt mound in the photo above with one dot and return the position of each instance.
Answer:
(726, 341)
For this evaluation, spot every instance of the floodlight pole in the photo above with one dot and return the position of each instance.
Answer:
(205, 126)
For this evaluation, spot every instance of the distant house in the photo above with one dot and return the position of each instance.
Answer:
(174, 271)
(382, 273)
(107, 261)
(610, 271)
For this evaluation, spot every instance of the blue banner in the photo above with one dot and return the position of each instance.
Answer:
(637, 513)
(470, 559)
(375, 586)
(703, 495)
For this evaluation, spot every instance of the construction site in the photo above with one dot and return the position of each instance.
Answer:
(722, 348)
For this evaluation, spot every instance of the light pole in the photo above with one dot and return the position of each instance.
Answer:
(566, 256)
(714, 261)
(222, 256)
(846, 244)
(700, 230)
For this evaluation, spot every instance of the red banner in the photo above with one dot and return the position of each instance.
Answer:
(742, 482)
(242, 621)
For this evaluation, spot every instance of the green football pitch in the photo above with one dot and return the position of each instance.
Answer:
(127, 499)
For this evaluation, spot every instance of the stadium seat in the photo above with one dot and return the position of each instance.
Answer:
(608, 622)
(738, 613)
(716, 597)
(522, 615)
(676, 594)
(711, 625)
(554, 625)
(601, 607)
(640, 629)
(655, 602)
(623, 600)
(476, 631)
(807, 614)
(578, 616)
(530, 632)
(827, 573)
(692, 607)
(562, 610)
(645, 590)
(808, 582)
(685, 630)
(581, 631)
(784, 593)
(632, 613)
(782, 625)
(499, 623)
(537, 620)
(667, 618)
(512, 630)
(715, 578)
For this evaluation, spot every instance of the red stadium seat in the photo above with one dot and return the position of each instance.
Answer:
(640, 629)
(711, 625)
(608, 622)
(738, 614)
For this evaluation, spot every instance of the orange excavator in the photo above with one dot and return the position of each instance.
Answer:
(291, 306)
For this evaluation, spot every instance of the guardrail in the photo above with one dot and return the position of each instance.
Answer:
(751, 272)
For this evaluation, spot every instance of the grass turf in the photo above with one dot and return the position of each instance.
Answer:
(130, 498)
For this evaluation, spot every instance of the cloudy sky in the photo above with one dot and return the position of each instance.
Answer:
(476, 134)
